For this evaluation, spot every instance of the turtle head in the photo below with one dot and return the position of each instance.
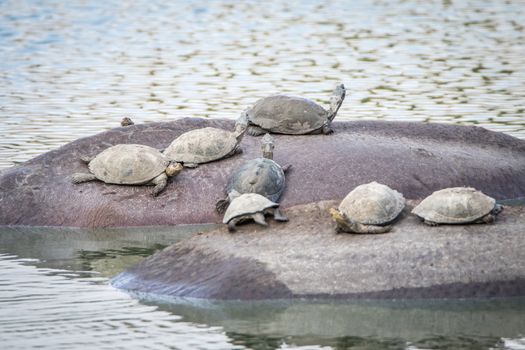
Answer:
(126, 121)
(339, 217)
(173, 168)
(241, 125)
(267, 146)
(336, 100)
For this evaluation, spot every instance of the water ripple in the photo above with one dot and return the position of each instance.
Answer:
(74, 69)
(43, 310)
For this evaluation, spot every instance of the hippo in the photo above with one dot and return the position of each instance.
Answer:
(413, 158)
(306, 259)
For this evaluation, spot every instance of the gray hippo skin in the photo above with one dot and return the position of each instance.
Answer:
(415, 159)
(304, 258)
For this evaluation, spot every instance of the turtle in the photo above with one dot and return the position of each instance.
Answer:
(457, 205)
(130, 164)
(206, 144)
(260, 175)
(250, 206)
(369, 208)
(126, 121)
(283, 114)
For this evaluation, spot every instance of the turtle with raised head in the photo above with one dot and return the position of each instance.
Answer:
(283, 114)
(130, 164)
(260, 175)
(457, 205)
(250, 206)
(369, 208)
(206, 144)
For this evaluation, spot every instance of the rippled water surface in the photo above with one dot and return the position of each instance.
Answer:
(74, 68)
(70, 69)
(54, 294)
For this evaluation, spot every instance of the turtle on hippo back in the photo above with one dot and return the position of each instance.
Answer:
(250, 206)
(457, 205)
(260, 175)
(130, 164)
(207, 144)
(369, 208)
(283, 114)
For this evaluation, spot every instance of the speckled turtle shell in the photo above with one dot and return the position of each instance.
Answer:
(288, 115)
(372, 204)
(457, 205)
(247, 204)
(128, 164)
(202, 146)
(259, 175)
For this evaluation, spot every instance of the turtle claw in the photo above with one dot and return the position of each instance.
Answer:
(255, 131)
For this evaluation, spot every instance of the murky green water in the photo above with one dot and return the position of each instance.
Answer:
(72, 69)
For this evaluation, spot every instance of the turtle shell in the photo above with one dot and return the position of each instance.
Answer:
(201, 145)
(259, 175)
(128, 164)
(247, 204)
(288, 115)
(372, 204)
(456, 205)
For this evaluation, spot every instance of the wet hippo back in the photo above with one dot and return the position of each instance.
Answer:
(415, 159)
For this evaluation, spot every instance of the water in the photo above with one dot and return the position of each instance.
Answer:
(54, 294)
(72, 69)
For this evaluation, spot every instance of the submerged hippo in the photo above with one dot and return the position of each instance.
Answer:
(415, 158)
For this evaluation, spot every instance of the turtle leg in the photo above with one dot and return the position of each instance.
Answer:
(191, 165)
(255, 130)
(430, 223)
(374, 229)
(327, 130)
(222, 205)
(82, 177)
(232, 225)
(86, 159)
(259, 218)
(286, 167)
(160, 183)
(279, 216)
(487, 219)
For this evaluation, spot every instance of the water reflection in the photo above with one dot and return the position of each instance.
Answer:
(57, 283)
(74, 69)
(105, 251)
(473, 324)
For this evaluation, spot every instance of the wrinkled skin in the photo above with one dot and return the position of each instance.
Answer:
(415, 159)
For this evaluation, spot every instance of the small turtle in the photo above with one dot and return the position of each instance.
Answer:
(369, 208)
(250, 206)
(126, 121)
(130, 164)
(260, 175)
(457, 205)
(206, 144)
(282, 114)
